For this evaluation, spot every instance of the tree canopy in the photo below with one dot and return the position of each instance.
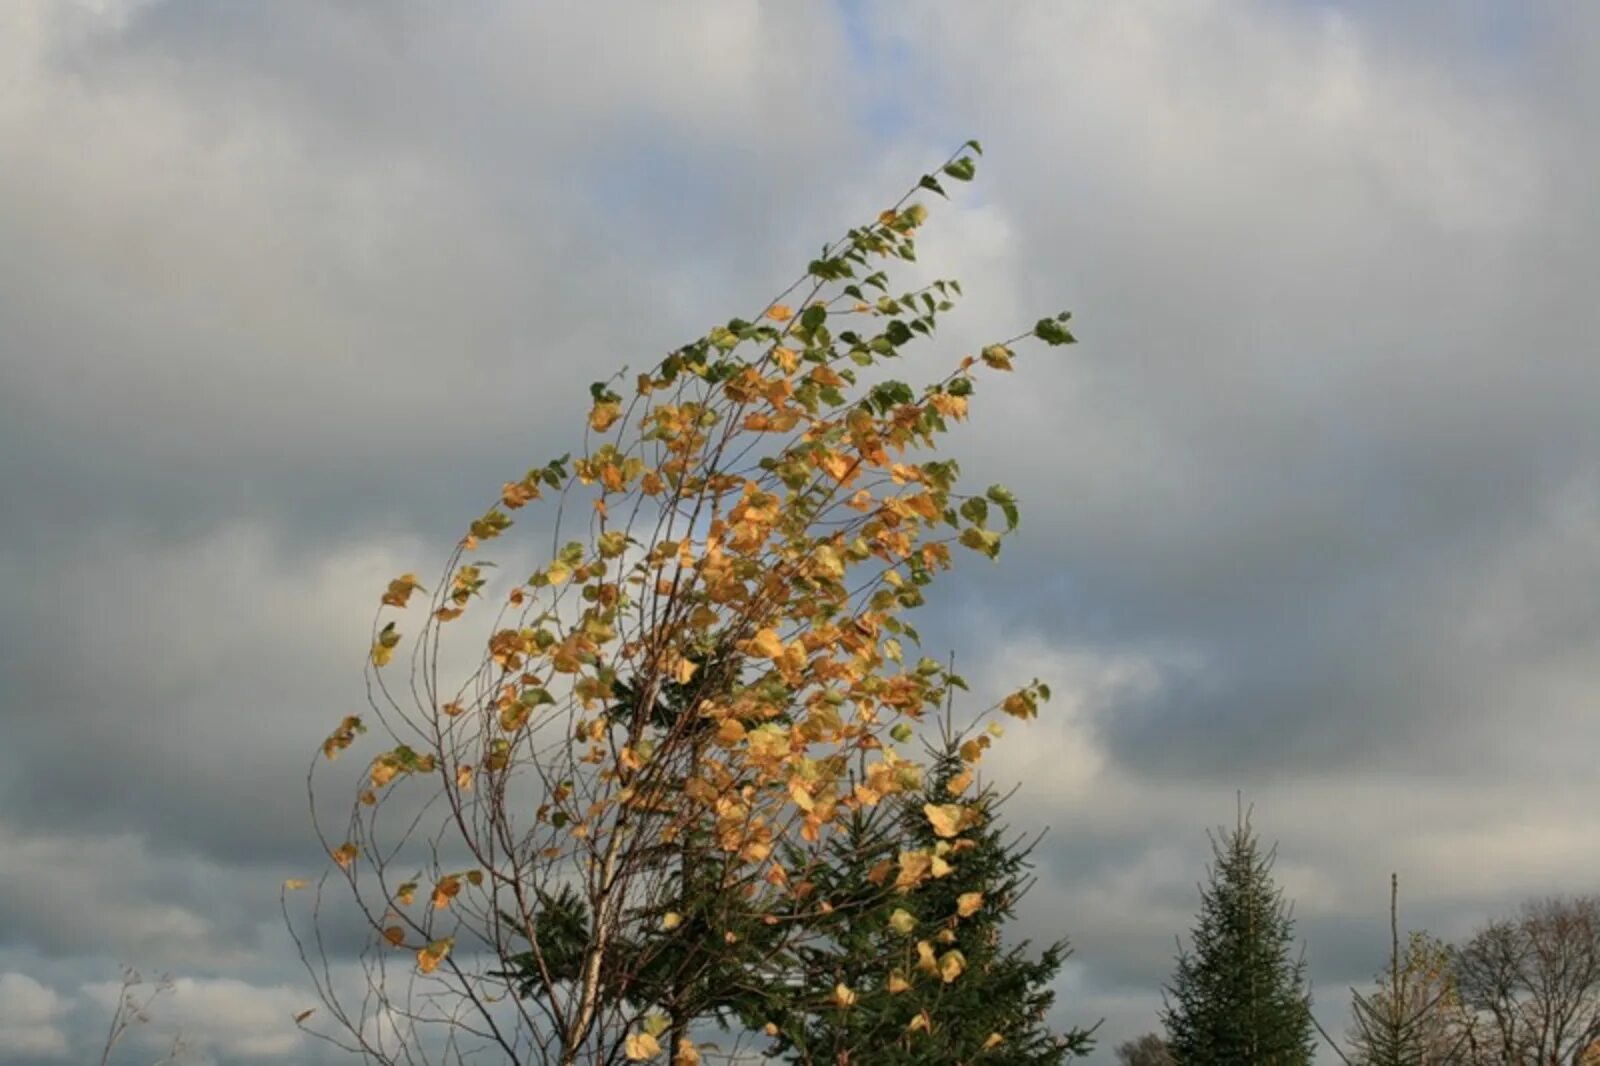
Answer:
(607, 803)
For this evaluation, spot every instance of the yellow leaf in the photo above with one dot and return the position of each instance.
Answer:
(671, 920)
(837, 466)
(779, 313)
(383, 771)
(922, 1022)
(997, 356)
(345, 855)
(828, 561)
(685, 671)
(383, 647)
(641, 1046)
(901, 921)
(947, 819)
(844, 997)
(604, 415)
(294, 884)
(994, 1040)
(959, 783)
(951, 964)
(400, 590)
(766, 644)
(913, 869)
(969, 903)
(898, 983)
(925, 959)
(303, 1015)
(516, 494)
(687, 1054)
(395, 935)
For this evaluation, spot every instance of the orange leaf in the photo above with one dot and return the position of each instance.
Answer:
(429, 958)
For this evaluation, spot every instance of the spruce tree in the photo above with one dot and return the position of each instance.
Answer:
(899, 955)
(1239, 996)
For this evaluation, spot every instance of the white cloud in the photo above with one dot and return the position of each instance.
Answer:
(30, 1016)
(221, 1016)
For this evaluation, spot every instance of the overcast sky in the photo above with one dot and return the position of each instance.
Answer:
(1311, 512)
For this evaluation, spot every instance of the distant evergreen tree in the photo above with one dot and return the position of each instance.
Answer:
(1239, 997)
(899, 955)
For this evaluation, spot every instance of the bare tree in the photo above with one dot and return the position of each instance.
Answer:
(134, 998)
(1533, 982)
(1148, 1050)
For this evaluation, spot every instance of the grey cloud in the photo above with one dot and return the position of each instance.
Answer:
(1312, 510)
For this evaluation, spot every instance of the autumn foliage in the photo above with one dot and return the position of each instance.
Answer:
(605, 791)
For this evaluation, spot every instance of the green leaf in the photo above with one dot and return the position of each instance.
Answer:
(930, 182)
(975, 510)
(983, 540)
(1052, 332)
(900, 733)
(975, 146)
(961, 169)
(1002, 497)
(813, 316)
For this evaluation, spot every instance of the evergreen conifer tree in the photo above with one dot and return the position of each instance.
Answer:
(1239, 996)
(888, 979)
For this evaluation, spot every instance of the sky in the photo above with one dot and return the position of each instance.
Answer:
(1311, 514)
